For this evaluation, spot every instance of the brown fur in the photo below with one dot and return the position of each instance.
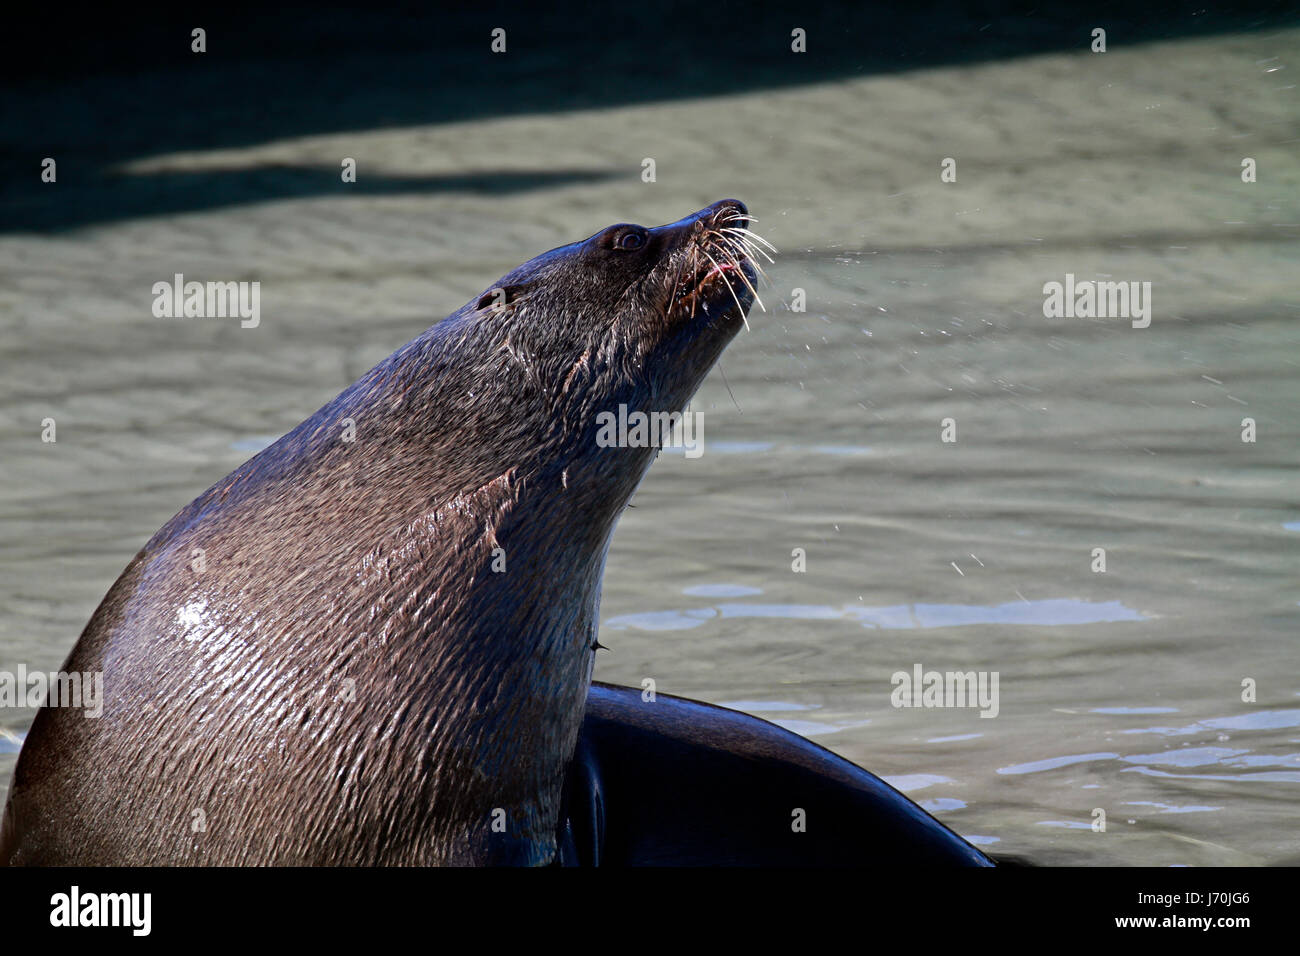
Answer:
(348, 681)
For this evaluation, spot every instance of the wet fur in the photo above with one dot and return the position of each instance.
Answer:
(347, 681)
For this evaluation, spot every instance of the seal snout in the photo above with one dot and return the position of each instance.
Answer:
(728, 212)
(720, 269)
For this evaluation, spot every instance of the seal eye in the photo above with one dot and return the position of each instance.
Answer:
(631, 240)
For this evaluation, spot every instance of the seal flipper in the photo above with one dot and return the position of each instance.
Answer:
(582, 811)
(678, 782)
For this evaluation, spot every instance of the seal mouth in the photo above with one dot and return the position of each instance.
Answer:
(707, 284)
(721, 267)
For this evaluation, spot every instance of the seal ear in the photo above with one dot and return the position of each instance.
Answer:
(497, 297)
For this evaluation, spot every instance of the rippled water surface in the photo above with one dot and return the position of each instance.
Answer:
(1119, 692)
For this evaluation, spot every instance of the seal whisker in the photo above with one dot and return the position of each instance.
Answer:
(690, 261)
(731, 258)
(723, 274)
(747, 243)
(745, 279)
(738, 244)
(744, 228)
(742, 248)
(755, 253)
(731, 243)
(753, 235)
(753, 261)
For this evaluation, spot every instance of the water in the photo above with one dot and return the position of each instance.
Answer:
(1118, 691)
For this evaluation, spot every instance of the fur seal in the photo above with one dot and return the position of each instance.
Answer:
(372, 643)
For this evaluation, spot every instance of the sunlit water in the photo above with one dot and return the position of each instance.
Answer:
(1119, 691)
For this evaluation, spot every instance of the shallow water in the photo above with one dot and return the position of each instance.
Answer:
(1119, 691)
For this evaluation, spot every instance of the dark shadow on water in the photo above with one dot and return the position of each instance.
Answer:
(95, 90)
(102, 197)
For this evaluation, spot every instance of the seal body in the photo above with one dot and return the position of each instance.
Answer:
(675, 782)
(372, 642)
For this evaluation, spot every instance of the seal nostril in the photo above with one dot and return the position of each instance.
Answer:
(731, 212)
